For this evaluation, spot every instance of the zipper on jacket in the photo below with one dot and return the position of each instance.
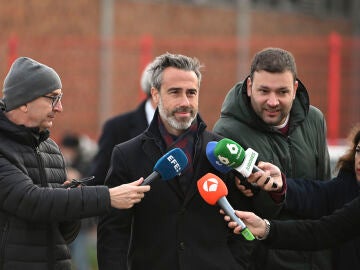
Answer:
(293, 165)
(42, 174)
(3, 243)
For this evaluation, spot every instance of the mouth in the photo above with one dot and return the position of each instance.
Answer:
(183, 112)
(272, 112)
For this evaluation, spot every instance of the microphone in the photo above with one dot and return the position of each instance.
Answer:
(168, 166)
(221, 167)
(213, 190)
(225, 169)
(233, 155)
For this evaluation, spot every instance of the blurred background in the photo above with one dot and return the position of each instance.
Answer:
(100, 48)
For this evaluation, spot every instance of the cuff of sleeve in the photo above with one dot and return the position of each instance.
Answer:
(279, 196)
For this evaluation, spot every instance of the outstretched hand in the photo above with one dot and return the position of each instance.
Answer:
(126, 195)
(268, 180)
(254, 223)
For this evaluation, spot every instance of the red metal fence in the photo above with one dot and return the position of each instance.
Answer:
(327, 65)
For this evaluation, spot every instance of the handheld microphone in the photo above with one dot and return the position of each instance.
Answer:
(232, 154)
(221, 167)
(225, 169)
(168, 166)
(213, 190)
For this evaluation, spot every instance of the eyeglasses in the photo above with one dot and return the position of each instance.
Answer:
(54, 99)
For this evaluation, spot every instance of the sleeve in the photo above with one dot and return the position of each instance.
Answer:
(114, 228)
(327, 232)
(319, 197)
(22, 198)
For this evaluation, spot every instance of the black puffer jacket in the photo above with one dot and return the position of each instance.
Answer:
(35, 216)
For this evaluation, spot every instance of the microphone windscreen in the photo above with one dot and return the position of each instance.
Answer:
(171, 164)
(229, 153)
(211, 188)
(213, 160)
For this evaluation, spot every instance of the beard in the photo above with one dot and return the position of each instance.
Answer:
(170, 118)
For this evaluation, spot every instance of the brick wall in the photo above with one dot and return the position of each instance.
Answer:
(65, 35)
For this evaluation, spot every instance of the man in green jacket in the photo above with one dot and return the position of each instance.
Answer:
(270, 112)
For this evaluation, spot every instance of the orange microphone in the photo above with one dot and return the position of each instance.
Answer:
(213, 190)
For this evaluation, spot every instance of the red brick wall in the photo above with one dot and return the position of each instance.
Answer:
(65, 35)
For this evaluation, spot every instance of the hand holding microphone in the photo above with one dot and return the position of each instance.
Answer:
(233, 155)
(225, 169)
(168, 166)
(213, 190)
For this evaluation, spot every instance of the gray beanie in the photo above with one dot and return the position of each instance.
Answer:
(28, 80)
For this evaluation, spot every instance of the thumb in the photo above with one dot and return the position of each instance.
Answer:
(242, 214)
(137, 182)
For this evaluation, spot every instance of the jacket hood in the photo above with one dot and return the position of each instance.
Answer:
(237, 105)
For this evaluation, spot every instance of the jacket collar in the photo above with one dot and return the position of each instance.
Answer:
(153, 132)
(22, 134)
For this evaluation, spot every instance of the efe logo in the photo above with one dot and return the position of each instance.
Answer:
(210, 185)
(175, 163)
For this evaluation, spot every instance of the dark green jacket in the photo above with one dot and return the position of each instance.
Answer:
(301, 154)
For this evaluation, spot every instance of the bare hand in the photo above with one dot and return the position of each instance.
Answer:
(246, 191)
(126, 195)
(254, 223)
(268, 180)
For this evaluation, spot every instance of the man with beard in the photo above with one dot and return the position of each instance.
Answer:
(166, 231)
(270, 112)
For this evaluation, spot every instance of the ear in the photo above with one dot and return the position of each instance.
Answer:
(24, 108)
(296, 85)
(155, 95)
(248, 86)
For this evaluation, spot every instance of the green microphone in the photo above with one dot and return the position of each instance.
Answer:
(231, 154)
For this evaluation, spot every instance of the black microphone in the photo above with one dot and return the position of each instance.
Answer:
(168, 166)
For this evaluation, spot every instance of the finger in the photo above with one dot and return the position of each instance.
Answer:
(232, 224)
(137, 182)
(248, 193)
(267, 180)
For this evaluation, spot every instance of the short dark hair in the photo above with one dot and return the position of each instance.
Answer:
(173, 60)
(274, 60)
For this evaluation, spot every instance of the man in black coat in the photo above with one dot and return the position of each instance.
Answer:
(36, 212)
(173, 227)
(122, 128)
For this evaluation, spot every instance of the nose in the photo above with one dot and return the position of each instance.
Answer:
(58, 107)
(273, 101)
(184, 100)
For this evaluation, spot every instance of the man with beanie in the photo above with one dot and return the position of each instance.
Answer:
(37, 214)
(122, 128)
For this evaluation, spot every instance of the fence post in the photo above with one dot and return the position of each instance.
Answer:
(12, 50)
(334, 87)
